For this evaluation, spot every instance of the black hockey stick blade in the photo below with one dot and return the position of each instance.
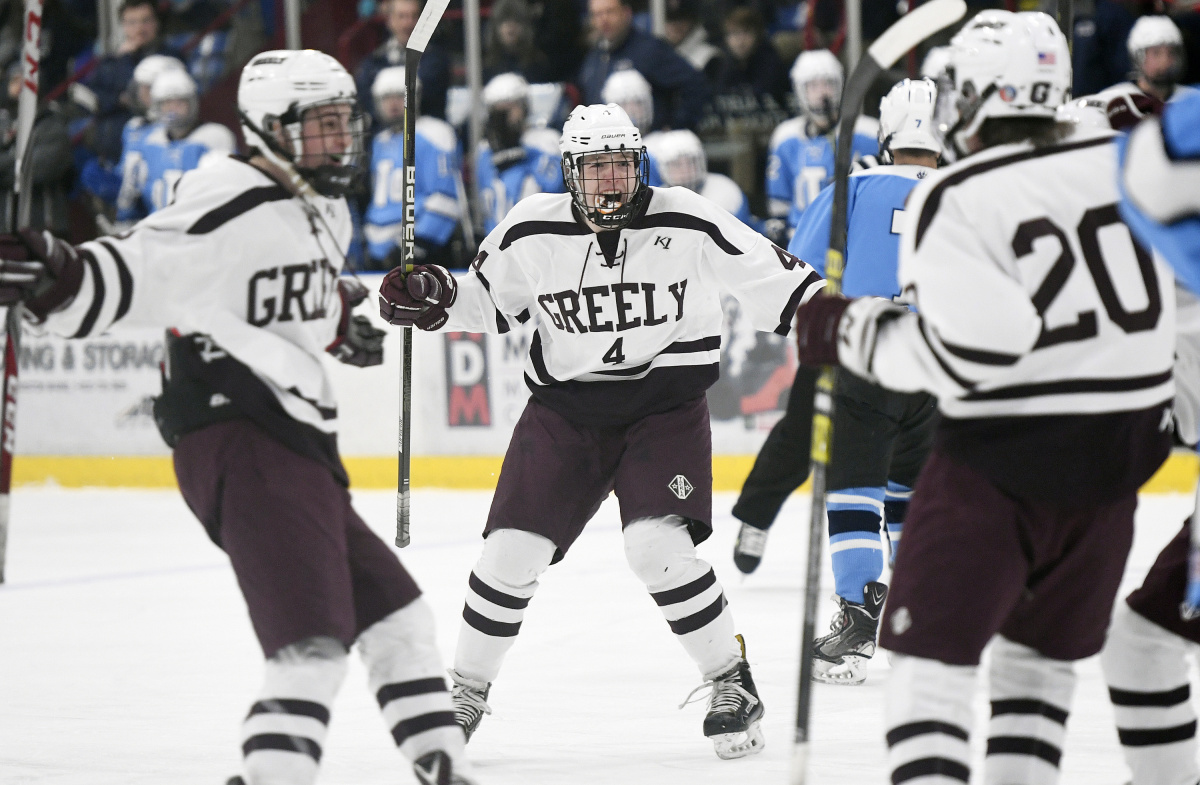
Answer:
(426, 23)
(896, 41)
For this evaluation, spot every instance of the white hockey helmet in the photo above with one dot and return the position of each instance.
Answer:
(1003, 64)
(1150, 31)
(629, 90)
(146, 72)
(174, 85)
(389, 81)
(817, 79)
(1087, 113)
(935, 62)
(505, 88)
(906, 118)
(681, 160)
(276, 89)
(604, 133)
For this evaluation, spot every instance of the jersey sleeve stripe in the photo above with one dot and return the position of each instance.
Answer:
(684, 221)
(98, 290)
(539, 362)
(935, 349)
(501, 323)
(1072, 387)
(934, 198)
(699, 345)
(980, 356)
(789, 310)
(530, 228)
(124, 278)
(242, 203)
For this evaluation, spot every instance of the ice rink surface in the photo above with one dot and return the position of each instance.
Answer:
(126, 657)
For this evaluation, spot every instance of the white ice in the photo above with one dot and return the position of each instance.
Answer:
(126, 656)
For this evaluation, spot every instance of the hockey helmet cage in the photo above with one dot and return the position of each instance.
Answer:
(681, 160)
(174, 85)
(817, 79)
(629, 90)
(604, 132)
(275, 91)
(1149, 31)
(1003, 64)
(906, 118)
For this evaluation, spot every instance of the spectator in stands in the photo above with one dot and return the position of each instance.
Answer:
(751, 83)
(558, 32)
(401, 16)
(690, 39)
(110, 81)
(50, 163)
(509, 46)
(1099, 57)
(679, 90)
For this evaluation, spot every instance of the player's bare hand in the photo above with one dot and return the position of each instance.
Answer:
(40, 270)
(419, 299)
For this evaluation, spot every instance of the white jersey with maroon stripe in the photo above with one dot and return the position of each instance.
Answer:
(235, 257)
(1032, 297)
(629, 321)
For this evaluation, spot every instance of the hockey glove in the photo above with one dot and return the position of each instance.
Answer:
(358, 342)
(40, 270)
(837, 331)
(419, 299)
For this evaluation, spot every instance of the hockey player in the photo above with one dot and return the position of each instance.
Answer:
(800, 160)
(243, 266)
(629, 90)
(508, 169)
(624, 279)
(439, 164)
(1047, 336)
(1145, 658)
(172, 144)
(683, 163)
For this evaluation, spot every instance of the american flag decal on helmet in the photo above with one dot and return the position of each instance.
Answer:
(1047, 58)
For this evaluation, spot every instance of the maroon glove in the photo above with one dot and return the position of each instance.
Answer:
(358, 341)
(817, 329)
(1127, 110)
(40, 270)
(419, 299)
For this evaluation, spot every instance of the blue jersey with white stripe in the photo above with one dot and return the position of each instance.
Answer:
(536, 173)
(437, 209)
(874, 217)
(799, 166)
(152, 164)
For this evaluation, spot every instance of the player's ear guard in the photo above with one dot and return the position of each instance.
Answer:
(419, 299)
(40, 270)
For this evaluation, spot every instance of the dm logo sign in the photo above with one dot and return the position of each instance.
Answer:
(468, 402)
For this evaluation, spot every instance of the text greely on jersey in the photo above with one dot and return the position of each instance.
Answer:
(568, 308)
(273, 291)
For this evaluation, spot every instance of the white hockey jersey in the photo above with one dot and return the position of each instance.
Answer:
(1045, 331)
(630, 320)
(239, 260)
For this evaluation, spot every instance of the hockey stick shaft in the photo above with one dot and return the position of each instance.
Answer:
(31, 33)
(417, 42)
(912, 29)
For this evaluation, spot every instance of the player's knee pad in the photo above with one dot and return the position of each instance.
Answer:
(401, 645)
(660, 552)
(316, 664)
(514, 559)
(1139, 654)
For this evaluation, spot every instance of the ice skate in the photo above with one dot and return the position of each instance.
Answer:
(734, 711)
(470, 702)
(841, 656)
(235, 781)
(749, 548)
(436, 768)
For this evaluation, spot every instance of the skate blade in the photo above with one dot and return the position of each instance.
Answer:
(851, 670)
(730, 746)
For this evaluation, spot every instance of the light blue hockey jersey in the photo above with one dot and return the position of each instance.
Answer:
(152, 163)
(439, 164)
(1178, 240)
(799, 166)
(874, 217)
(538, 172)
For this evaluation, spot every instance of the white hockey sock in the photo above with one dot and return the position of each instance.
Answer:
(499, 589)
(1031, 698)
(1147, 673)
(661, 554)
(929, 721)
(405, 672)
(284, 731)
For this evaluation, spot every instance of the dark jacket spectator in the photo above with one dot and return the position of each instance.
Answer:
(508, 46)
(110, 81)
(434, 71)
(559, 33)
(752, 82)
(685, 32)
(680, 91)
(51, 168)
(1099, 57)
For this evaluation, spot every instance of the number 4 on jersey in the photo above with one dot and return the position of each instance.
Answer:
(614, 354)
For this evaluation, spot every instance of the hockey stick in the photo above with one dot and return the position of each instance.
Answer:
(426, 24)
(22, 185)
(912, 29)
